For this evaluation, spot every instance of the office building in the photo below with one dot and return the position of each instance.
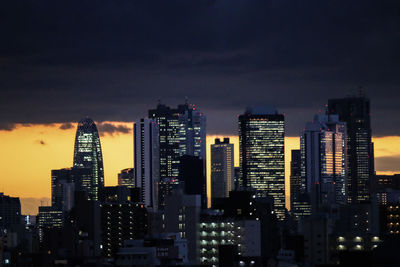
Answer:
(182, 214)
(10, 211)
(323, 161)
(355, 112)
(192, 178)
(49, 218)
(121, 221)
(262, 160)
(182, 132)
(127, 177)
(222, 169)
(147, 161)
(87, 154)
(63, 189)
(215, 232)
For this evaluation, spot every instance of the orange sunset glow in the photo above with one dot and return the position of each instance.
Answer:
(30, 152)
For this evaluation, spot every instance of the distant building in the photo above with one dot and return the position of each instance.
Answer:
(147, 161)
(262, 154)
(217, 231)
(10, 211)
(323, 161)
(192, 178)
(63, 188)
(222, 169)
(49, 218)
(87, 154)
(355, 112)
(121, 221)
(300, 204)
(127, 177)
(182, 132)
(182, 214)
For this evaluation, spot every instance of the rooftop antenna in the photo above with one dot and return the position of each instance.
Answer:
(186, 100)
(159, 101)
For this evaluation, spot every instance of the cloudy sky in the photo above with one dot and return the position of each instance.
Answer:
(114, 59)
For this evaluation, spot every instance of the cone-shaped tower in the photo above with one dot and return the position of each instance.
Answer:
(87, 154)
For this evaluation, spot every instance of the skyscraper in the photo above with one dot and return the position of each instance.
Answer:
(299, 199)
(192, 179)
(355, 111)
(182, 132)
(323, 156)
(147, 163)
(262, 159)
(295, 176)
(222, 170)
(87, 154)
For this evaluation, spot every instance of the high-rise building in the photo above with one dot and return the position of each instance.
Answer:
(49, 218)
(295, 176)
(87, 154)
(222, 170)
(62, 189)
(299, 199)
(323, 156)
(182, 132)
(192, 179)
(355, 111)
(147, 163)
(262, 158)
(121, 220)
(10, 211)
(182, 214)
(127, 177)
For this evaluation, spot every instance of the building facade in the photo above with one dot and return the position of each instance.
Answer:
(222, 169)
(262, 154)
(87, 154)
(147, 161)
(355, 112)
(323, 161)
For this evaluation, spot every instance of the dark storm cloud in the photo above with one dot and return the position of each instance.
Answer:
(111, 129)
(66, 126)
(112, 60)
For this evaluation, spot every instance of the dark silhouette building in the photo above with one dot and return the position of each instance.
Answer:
(355, 111)
(222, 170)
(127, 177)
(10, 211)
(192, 178)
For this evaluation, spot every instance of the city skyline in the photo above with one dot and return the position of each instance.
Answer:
(385, 148)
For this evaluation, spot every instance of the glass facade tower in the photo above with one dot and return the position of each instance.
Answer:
(323, 161)
(355, 111)
(87, 154)
(262, 158)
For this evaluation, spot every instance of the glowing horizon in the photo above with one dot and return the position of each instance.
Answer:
(30, 152)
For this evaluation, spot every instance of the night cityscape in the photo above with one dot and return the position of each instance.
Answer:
(200, 133)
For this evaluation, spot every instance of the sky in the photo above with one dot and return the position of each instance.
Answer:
(114, 59)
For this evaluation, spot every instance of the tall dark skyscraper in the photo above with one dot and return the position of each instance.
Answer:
(87, 154)
(355, 111)
(147, 161)
(192, 177)
(182, 132)
(222, 170)
(295, 176)
(262, 154)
